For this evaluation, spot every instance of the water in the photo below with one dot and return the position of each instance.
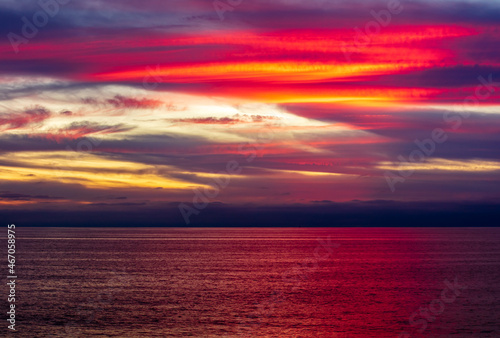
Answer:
(256, 282)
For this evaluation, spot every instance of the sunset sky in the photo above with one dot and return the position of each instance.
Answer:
(113, 112)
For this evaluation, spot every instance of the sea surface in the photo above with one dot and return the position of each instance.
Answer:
(256, 282)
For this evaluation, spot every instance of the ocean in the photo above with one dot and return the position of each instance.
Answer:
(256, 282)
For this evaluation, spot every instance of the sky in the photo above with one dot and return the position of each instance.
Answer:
(250, 112)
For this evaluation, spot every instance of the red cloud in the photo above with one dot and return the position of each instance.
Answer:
(81, 129)
(22, 119)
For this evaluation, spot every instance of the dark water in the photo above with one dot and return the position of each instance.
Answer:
(257, 282)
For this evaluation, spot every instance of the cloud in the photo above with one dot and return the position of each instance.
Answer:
(209, 120)
(78, 130)
(119, 101)
(227, 120)
(23, 197)
(29, 117)
(131, 204)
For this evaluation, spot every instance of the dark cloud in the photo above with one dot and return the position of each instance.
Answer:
(10, 21)
(26, 142)
(131, 204)
(439, 77)
(119, 101)
(35, 66)
(401, 123)
(23, 197)
(140, 145)
(348, 14)
(78, 130)
(11, 18)
(374, 213)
